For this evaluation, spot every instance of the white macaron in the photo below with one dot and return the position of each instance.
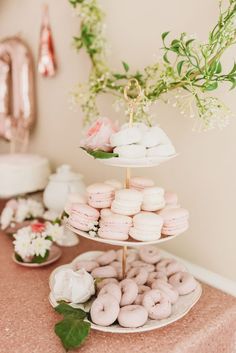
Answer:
(131, 151)
(126, 137)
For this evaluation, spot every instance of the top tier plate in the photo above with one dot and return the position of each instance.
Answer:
(135, 163)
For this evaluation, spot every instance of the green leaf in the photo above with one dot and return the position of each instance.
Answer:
(72, 331)
(218, 67)
(164, 35)
(74, 3)
(125, 66)
(39, 259)
(210, 86)
(165, 58)
(66, 309)
(101, 154)
(233, 69)
(233, 81)
(189, 42)
(179, 66)
(119, 76)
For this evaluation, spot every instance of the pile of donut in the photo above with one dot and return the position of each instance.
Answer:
(151, 287)
(140, 141)
(143, 212)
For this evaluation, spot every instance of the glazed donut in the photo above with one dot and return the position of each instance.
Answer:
(106, 258)
(150, 254)
(132, 316)
(104, 272)
(89, 266)
(102, 283)
(138, 274)
(141, 290)
(156, 275)
(112, 289)
(167, 289)
(104, 310)
(183, 282)
(139, 263)
(129, 291)
(157, 304)
(170, 266)
(131, 256)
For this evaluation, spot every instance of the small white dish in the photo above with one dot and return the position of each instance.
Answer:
(54, 255)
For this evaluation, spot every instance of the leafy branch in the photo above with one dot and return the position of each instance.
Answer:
(186, 64)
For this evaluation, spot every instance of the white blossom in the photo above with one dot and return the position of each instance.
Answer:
(6, 217)
(40, 245)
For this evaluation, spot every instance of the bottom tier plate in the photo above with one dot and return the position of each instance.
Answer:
(180, 309)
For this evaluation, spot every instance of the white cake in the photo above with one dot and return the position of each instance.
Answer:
(22, 173)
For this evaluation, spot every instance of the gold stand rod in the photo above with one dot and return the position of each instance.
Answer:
(124, 256)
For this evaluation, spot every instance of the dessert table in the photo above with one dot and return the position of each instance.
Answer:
(27, 319)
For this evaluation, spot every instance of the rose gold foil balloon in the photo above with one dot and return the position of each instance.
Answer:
(17, 96)
(46, 61)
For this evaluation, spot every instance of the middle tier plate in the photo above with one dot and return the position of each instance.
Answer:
(130, 242)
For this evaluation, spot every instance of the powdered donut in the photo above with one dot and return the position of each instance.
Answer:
(131, 256)
(157, 304)
(102, 283)
(139, 263)
(129, 291)
(112, 289)
(138, 274)
(150, 254)
(132, 316)
(89, 266)
(170, 266)
(118, 266)
(104, 272)
(183, 282)
(141, 291)
(106, 258)
(156, 275)
(104, 310)
(168, 289)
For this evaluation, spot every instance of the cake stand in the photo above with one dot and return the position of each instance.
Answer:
(186, 302)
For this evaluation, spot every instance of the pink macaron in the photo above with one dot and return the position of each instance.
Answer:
(171, 199)
(115, 227)
(140, 183)
(83, 217)
(100, 195)
(175, 220)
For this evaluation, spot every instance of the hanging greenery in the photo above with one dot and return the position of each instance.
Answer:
(185, 76)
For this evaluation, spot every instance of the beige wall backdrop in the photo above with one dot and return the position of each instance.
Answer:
(204, 173)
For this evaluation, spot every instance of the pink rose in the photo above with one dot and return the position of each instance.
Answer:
(37, 227)
(98, 135)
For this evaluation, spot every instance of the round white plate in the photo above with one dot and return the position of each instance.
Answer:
(131, 242)
(135, 163)
(180, 309)
(54, 255)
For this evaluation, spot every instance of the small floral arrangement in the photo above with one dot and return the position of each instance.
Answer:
(19, 210)
(33, 243)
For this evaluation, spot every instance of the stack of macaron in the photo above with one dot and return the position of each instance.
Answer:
(84, 217)
(114, 226)
(175, 220)
(140, 141)
(100, 195)
(147, 226)
(143, 212)
(127, 202)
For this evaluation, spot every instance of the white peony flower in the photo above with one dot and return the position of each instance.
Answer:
(74, 287)
(40, 245)
(22, 211)
(55, 231)
(22, 243)
(35, 208)
(6, 217)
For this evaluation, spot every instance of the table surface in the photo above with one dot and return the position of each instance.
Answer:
(27, 319)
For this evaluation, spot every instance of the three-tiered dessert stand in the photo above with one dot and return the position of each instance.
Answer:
(185, 303)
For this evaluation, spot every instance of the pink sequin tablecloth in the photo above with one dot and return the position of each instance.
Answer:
(27, 319)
